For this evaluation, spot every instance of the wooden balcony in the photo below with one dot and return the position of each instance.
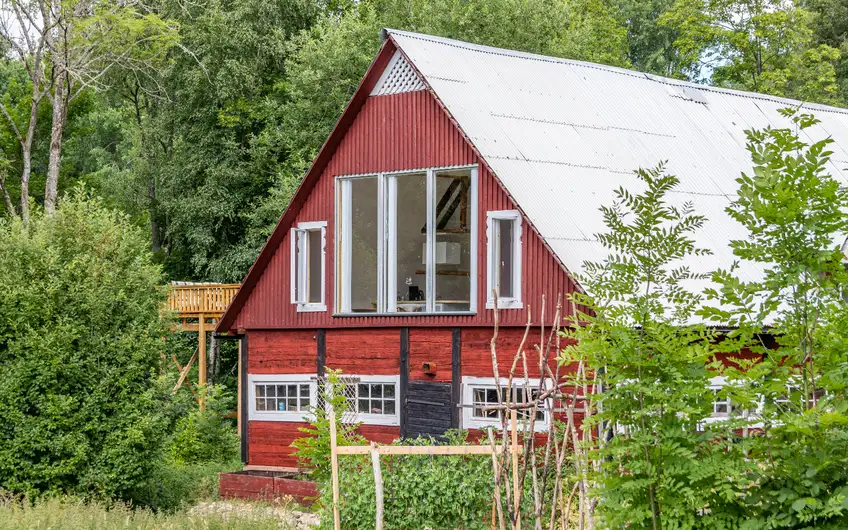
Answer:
(207, 299)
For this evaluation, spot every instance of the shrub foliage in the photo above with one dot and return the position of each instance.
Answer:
(80, 345)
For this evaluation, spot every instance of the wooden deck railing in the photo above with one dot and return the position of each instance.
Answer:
(207, 299)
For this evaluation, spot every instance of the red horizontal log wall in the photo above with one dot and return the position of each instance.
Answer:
(397, 132)
(269, 443)
(364, 351)
(430, 345)
(282, 352)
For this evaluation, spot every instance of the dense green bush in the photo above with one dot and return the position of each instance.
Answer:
(419, 491)
(204, 435)
(80, 350)
(170, 487)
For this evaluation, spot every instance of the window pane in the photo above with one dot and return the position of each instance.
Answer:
(376, 391)
(260, 404)
(363, 391)
(505, 234)
(260, 390)
(389, 391)
(453, 240)
(305, 403)
(270, 391)
(363, 242)
(281, 390)
(314, 277)
(389, 406)
(304, 391)
(292, 390)
(292, 403)
(410, 230)
(363, 406)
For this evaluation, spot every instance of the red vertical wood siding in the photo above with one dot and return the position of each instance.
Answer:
(398, 132)
(430, 345)
(282, 352)
(364, 351)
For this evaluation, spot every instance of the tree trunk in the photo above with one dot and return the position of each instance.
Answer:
(6, 199)
(26, 149)
(60, 103)
(155, 238)
(213, 359)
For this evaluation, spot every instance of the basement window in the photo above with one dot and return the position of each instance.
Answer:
(503, 251)
(281, 397)
(372, 399)
(481, 392)
(308, 252)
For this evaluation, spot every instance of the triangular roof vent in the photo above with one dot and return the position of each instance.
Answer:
(397, 77)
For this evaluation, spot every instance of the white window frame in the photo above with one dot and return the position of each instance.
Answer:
(280, 379)
(391, 420)
(299, 262)
(470, 383)
(512, 302)
(387, 269)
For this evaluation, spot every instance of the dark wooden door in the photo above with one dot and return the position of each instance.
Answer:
(427, 411)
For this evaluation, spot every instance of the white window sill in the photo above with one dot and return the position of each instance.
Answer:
(304, 417)
(311, 308)
(539, 426)
(505, 303)
(378, 419)
(401, 314)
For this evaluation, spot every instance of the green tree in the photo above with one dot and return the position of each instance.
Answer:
(760, 45)
(794, 212)
(660, 468)
(80, 344)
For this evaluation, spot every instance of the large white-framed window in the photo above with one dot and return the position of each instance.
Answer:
(373, 399)
(503, 257)
(308, 265)
(407, 242)
(480, 392)
(281, 397)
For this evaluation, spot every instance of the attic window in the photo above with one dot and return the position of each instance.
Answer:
(308, 247)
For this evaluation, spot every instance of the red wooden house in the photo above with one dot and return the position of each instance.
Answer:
(457, 170)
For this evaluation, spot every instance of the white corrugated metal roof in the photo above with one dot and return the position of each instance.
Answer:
(561, 135)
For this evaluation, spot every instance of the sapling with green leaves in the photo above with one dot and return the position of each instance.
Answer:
(793, 319)
(659, 466)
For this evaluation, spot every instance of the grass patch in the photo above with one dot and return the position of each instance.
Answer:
(60, 514)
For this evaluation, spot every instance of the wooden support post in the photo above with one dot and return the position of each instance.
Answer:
(334, 464)
(201, 366)
(516, 490)
(378, 485)
(201, 345)
(239, 404)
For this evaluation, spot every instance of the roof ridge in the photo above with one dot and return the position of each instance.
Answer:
(506, 52)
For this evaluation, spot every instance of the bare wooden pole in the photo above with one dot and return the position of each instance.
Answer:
(334, 465)
(378, 485)
(516, 489)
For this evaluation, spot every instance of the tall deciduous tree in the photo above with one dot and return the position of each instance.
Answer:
(24, 31)
(659, 468)
(794, 211)
(759, 45)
